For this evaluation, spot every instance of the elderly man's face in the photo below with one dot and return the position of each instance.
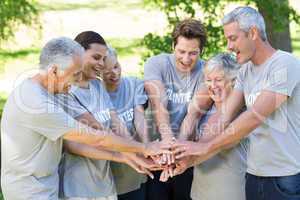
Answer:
(70, 75)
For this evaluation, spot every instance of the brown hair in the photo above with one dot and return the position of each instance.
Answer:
(190, 29)
(89, 37)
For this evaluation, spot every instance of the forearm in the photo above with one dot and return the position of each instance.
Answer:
(237, 130)
(86, 135)
(118, 143)
(99, 138)
(196, 160)
(118, 127)
(162, 121)
(197, 108)
(91, 152)
(140, 124)
(188, 125)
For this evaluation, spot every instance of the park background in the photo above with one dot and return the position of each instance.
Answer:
(137, 29)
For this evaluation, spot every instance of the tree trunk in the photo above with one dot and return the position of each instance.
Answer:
(278, 34)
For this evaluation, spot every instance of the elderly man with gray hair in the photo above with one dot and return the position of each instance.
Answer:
(268, 85)
(33, 126)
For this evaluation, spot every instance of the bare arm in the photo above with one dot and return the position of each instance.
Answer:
(199, 105)
(140, 124)
(118, 126)
(91, 152)
(214, 127)
(158, 101)
(266, 103)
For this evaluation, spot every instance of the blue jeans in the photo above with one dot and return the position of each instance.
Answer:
(273, 188)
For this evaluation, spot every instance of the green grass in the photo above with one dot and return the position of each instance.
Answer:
(9, 58)
(127, 47)
(56, 5)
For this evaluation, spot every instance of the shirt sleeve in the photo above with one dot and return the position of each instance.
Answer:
(52, 122)
(70, 105)
(239, 81)
(153, 68)
(105, 97)
(140, 96)
(283, 76)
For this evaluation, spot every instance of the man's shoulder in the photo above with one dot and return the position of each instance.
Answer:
(162, 58)
(286, 57)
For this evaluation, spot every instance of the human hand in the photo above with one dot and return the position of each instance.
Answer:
(139, 163)
(188, 148)
(182, 165)
(168, 159)
(157, 148)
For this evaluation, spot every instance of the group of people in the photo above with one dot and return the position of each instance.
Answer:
(224, 128)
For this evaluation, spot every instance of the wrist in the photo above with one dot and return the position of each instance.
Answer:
(117, 157)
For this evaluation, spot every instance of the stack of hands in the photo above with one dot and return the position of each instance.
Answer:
(170, 157)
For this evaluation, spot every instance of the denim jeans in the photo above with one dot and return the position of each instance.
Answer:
(273, 188)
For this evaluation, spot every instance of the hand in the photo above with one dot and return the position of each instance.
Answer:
(168, 159)
(138, 163)
(147, 163)
(188, 148)
(182, 165)
(157, 148)
(164, 176)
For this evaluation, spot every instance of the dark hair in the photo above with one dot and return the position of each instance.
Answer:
(89, 37)
(190, 29)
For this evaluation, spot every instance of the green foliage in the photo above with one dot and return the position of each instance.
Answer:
(15, 12)
(212, 11)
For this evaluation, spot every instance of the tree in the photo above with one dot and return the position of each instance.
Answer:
(15, 12)
(277, 24)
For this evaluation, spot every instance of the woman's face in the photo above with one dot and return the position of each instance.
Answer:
(218, 84)
(111, 74)
(93, 60)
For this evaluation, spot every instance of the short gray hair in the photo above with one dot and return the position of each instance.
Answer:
(59, 51)
(247, 17)
(224, 61)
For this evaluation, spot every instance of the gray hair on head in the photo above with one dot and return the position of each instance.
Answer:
(247, 17)
(225, 62)
(60, 52)
(111, 52)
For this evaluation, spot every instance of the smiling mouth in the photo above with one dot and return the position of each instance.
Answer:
(185, 65)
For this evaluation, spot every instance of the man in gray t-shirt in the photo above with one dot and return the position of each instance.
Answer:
(269, 86)
(171, 81)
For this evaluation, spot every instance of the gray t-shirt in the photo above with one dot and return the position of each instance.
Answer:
(179, 87)
(274, 146)
(32, 127)
(128, 95)
(224, 173)
(84, 177)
